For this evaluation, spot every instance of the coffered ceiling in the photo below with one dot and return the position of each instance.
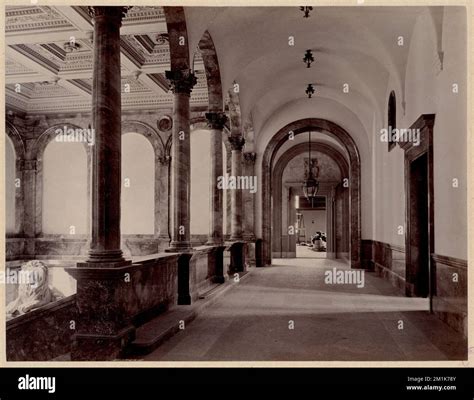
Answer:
(49, 60)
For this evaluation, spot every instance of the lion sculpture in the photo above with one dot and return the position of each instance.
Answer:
(34, 293)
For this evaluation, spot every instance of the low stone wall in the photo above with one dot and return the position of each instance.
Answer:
(450, 291)
(14, 248)
(60, 246)
(42, 334)
(206, 267)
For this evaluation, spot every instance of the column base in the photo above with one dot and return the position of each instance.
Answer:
(215, 243)
(103, 264)
(105, 256)
(179, 247)
(237, 257)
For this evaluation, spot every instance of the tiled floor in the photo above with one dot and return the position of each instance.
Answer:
(330, 322)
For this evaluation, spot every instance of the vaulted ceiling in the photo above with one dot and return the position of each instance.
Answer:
(358, 46)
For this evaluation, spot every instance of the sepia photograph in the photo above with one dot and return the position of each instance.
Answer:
(232, 183)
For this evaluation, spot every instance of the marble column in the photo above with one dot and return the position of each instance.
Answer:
(216, 121)
(27, 210)
(162, 176)
(103, 322)
(331, 236)
(237, 144)
(106, 122)
(182, 82)
(249, 198)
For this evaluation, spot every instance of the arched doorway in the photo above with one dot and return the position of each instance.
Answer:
(296, 220)
(353, 180)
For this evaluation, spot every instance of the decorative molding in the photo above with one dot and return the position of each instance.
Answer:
(450, 261)
(108, 12)
(165, 123)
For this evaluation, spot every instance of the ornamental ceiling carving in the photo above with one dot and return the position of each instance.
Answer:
(49, 60)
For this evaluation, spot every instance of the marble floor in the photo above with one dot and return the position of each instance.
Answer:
(287, 312)
(308, 252)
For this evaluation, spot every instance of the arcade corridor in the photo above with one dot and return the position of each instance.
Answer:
(331, 322)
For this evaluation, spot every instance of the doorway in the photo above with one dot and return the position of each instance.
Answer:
(419, 239)
(311, 227)
(419, 225)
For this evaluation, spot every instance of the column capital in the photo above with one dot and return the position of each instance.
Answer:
(181, 81)
(216, 120)
(250, 157)
(108, 11)
(236, 142)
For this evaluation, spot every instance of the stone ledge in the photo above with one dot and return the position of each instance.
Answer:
(151, 335)
(41, 312)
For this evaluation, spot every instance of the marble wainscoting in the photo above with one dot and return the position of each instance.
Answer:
(387, 260)
(449, 276)
(42, 334)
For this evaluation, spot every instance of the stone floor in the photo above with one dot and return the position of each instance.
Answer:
(331, 322)
(308, 252)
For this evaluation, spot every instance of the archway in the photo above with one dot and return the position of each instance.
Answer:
(331, 191)
(343, 137)
(11, 187)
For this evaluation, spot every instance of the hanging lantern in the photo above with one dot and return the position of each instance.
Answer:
(306, 11)
(310, 185)
(308, 58)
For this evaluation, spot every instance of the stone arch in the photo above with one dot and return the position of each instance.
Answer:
(343, 137)
(36, 153)
(149, 132)
(17, 141)
(282, 162)
(235, 116)
(176, 26)
(213, 75)
(20, 155)
(161, 172)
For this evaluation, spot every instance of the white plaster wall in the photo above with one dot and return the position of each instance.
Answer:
(389, 186)
(200, 181)
(138, 192)
(64, 188)
(428, 89)
(450, 140)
